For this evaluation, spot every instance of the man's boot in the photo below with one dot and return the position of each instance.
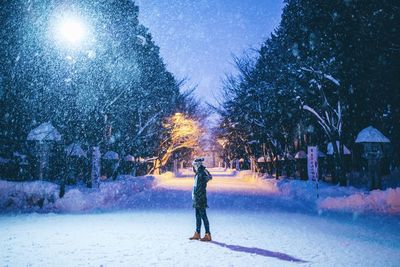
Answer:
(207, 237)
(196, 236)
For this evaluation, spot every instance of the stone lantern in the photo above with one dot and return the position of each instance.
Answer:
(44, 136)
(372, 140)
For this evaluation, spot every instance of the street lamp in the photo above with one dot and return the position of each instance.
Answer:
(70, 31)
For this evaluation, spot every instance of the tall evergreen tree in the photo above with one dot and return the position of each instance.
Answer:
(112, 90)
(322, 53)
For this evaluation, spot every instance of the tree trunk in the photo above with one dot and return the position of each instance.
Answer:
(338, 175)
(157, 167)
(175, 165)
(95, 167)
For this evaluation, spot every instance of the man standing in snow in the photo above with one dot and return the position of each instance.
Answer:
(199, 197)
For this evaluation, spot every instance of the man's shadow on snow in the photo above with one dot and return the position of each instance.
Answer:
(260, 251)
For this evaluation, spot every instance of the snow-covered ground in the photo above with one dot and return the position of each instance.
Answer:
(159, 238)
(146, 222)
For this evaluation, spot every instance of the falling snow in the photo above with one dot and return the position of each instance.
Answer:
(107, 108)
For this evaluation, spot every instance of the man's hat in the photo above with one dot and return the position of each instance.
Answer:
(197, 162)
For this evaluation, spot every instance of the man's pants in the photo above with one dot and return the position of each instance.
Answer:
(201, 214)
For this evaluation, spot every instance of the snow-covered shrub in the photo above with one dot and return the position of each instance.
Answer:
(27, 195)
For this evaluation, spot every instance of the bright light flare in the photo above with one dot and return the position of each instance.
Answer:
(69, 29)
(72, 30)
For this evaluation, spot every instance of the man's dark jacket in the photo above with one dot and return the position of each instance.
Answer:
(200, 193)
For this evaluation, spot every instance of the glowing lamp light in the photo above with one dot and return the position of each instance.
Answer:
(72, 30)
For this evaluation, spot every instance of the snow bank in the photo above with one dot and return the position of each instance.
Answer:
(110, 195)
(44, 196)
(27, 195)
(129, 192)
(377, 201)
(309, 190)
(343, 199)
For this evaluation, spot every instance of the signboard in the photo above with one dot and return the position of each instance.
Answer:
(312, 162)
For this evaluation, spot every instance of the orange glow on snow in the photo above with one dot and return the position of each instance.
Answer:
(223, 181)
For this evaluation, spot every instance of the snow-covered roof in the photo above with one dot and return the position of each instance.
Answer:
(129, 158)
(75, 150)
(44, 132)
(111, 155)
(371, 135)
(346, 151)
(300, 155)
(261, 159)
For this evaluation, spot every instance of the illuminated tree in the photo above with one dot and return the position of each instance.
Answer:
(182, 132)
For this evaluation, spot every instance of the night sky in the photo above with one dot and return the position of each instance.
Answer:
(198, 38)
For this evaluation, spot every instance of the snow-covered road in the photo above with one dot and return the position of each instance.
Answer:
(223, 181)
(248, 230)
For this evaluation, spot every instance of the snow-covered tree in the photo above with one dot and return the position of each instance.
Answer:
(182, 132)
(113, 91)
(318, 45)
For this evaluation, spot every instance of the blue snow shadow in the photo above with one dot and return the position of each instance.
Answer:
(260, 252)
